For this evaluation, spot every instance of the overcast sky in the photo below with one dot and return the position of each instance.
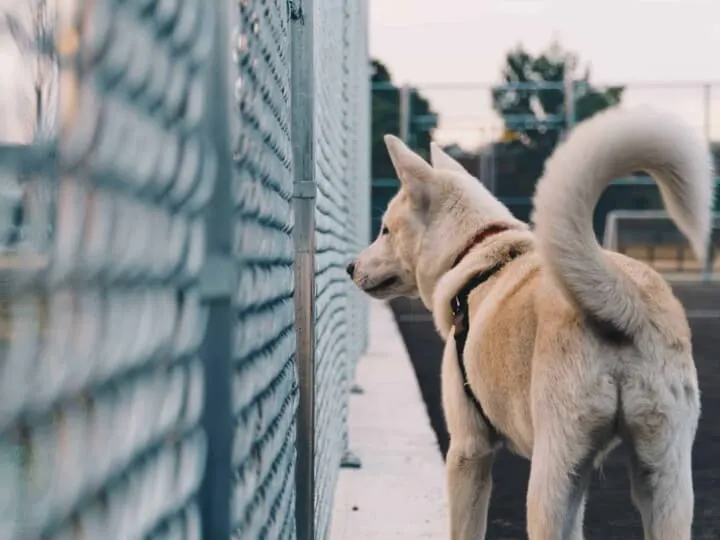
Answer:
(426, 42)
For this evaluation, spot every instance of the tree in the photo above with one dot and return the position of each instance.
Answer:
(521, 155)
(386, 119)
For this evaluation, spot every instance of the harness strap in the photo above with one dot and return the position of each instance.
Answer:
(461, 320)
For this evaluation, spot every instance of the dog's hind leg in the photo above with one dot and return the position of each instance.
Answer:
(559, 480)
(572, 423)
(660, 431)
(663, 494)
(578, 499)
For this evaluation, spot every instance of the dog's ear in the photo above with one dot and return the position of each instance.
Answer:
(415, 174)
(443, 161)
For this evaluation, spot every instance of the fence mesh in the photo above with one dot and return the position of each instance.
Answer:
(359, 168)
(108, 167)
(342, 89)
(264, 378)
(101, 389)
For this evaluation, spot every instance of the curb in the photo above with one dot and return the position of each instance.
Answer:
(399, 492)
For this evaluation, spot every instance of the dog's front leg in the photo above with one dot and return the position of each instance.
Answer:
(469, 483)
(469, 459)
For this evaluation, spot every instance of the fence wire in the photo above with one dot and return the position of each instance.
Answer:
(264, 378)
(109, 171)
(102, 387)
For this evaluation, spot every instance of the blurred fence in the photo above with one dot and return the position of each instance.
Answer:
(463, 112)
(148, 199)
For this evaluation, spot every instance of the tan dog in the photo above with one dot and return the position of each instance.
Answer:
(571, 349)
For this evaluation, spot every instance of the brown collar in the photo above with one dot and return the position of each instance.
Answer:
(479, 238)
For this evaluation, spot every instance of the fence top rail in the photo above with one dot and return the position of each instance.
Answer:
(473, 85)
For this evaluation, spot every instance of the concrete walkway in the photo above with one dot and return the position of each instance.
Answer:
(399, 493)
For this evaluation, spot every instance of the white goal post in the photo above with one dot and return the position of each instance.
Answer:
(654, 229)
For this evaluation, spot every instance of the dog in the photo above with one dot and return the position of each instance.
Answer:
(555, 348)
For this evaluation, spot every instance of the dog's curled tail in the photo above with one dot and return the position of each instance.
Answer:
(612, 144)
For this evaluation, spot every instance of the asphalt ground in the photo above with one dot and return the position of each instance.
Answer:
(610, 514)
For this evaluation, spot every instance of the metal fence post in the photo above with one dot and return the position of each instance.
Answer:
(707, 106)
(569, 101)
(707, 125)
(405, 113)
(303, 138)
(217, 286)
(492, 175)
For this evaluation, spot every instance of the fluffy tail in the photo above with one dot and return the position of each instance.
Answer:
(611, 144)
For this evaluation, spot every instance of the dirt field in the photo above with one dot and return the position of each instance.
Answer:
(609, 515)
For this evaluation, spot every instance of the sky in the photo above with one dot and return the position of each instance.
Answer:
(662, 50)
(19, 76)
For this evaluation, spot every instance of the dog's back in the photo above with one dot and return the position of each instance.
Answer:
(525, 320)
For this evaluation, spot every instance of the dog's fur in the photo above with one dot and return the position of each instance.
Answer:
(571, 349)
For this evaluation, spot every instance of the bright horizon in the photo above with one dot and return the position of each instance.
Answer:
(466, 43)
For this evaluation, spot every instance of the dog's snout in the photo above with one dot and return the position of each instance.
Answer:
(350, 269)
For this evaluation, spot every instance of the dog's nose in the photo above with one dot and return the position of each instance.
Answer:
(350, 269)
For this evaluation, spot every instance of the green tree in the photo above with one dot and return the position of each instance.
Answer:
(386, 119)
(521, 155)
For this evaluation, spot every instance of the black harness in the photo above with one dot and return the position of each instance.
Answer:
(461, 319)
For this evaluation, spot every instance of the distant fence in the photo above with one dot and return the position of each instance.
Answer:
(463, 112)
(467, 124)
(169, 368)
(631, 193)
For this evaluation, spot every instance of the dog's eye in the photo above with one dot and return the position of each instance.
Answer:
(385, 231)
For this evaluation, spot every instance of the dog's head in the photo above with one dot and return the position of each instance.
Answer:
(431, 219)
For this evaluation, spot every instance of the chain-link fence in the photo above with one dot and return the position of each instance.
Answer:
(151, 369)
(341, 222)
